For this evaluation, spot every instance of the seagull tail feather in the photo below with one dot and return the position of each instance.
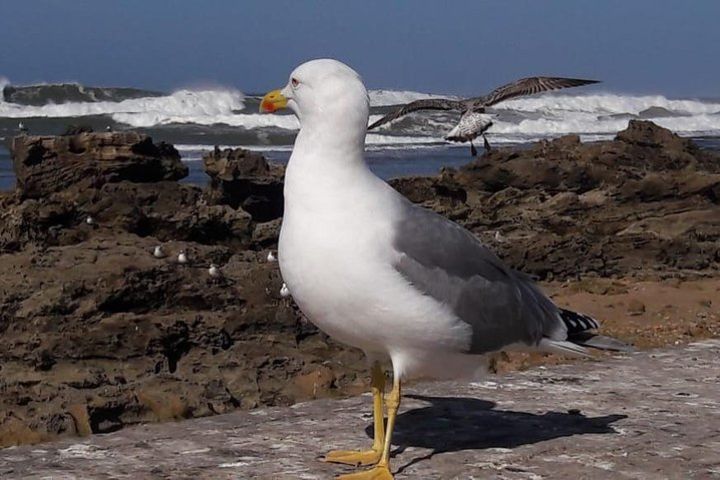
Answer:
(579, 332)
(562, 347)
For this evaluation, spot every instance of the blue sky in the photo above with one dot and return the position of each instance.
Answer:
(463, 47)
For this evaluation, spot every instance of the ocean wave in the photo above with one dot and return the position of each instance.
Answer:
(45, 93)
(246, 120)
(227, 115)
(608, 104)
(593, 116)
(180, 106)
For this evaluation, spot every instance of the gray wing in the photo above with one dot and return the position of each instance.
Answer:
(527, 86)
(426, 104)
(448, 263)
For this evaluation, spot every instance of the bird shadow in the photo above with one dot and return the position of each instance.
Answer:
(452, 424)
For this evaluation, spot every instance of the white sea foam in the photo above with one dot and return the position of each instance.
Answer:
(593, 116)
(245, 120)
(182, 106)
(607, 103)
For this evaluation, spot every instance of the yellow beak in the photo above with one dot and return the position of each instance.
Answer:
(273, 101)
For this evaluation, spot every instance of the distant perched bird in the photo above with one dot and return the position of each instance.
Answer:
(271, 257)
(90, 220)
(284, 291)
(473, 121)
(182, 257)
(214, 271)
(372, 269)
(108, 128)
(158, 252)
(23, 129)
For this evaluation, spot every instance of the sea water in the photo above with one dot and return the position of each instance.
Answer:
(196, 120)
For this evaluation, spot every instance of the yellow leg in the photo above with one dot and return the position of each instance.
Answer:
(367, 457)
(381, 471)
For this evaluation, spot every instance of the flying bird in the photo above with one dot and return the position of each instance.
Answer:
(473, 120)
(402, 283)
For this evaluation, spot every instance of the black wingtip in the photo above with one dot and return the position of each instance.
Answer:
(577, 322)
(579, 331)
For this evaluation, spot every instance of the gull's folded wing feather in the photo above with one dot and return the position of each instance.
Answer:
(502, 306)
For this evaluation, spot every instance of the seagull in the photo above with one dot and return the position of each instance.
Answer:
(284, 291)
(23, 129)
(182, 257)
(474, 121)
(158, 252)
(108, 128)
(214, 271)
(270, 257)
(90, 220)
(400, 282)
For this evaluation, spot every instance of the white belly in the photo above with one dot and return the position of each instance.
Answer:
(340, 272)
(337, 258)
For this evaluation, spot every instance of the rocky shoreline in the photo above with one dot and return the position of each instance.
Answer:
(96, 333)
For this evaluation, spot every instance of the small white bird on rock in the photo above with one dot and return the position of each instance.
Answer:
(270, 257)
(214, 270)
(158, 252)
(90, 220)
(284, 291)
(182, 257)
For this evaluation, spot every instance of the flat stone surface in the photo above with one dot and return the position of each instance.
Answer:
(649, 415)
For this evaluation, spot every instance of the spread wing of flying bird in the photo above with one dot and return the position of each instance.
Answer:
(472, 107)
(425, 104)
(524, 87)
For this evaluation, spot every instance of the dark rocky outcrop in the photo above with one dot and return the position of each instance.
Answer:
(647, 202)
(44, 165)
(241, 178)
(96, 333)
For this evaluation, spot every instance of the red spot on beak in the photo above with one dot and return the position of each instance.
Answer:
(267, 106)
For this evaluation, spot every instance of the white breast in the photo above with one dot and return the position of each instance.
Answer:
(336, 256)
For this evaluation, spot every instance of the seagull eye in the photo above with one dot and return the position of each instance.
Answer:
(294, 82)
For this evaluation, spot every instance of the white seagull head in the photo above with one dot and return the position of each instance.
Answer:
(325, 95)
